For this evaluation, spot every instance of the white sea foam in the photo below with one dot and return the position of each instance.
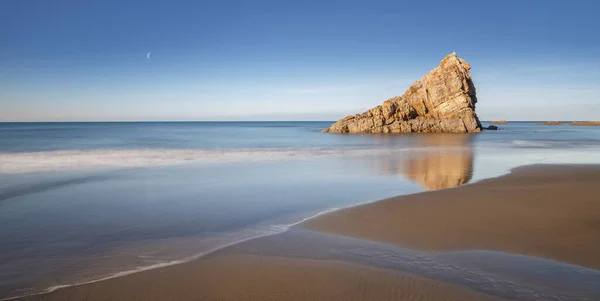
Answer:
(326, 211)
(15, 163)
(554, 144)
(530, 143)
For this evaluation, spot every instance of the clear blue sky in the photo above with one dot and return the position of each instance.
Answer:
(289, 60)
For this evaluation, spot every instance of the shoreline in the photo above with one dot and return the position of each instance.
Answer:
(201, 255)
(306, 223)
(142, 269)
(484, 215)
(184, 260)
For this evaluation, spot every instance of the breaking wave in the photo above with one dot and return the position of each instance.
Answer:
(16, 163)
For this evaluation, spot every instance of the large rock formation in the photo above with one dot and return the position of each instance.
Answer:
(442, 101)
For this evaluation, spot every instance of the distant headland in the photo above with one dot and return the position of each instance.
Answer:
(588, 123)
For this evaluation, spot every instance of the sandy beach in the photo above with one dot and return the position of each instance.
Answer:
(542, 211)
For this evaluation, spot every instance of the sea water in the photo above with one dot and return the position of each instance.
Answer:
(81, 202)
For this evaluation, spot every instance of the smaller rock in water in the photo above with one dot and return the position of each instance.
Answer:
(492, 128)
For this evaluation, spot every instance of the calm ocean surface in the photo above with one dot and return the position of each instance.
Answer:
(85, 201)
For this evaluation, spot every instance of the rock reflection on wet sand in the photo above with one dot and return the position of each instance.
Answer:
(436, 162)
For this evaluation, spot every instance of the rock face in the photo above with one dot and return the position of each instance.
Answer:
(443, 101)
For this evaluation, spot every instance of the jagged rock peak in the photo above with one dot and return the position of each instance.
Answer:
(443, 101)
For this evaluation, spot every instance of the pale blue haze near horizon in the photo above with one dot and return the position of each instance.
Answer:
(283, 60)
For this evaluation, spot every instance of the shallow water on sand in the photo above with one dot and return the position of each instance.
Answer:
(83, 201)
(503, 275)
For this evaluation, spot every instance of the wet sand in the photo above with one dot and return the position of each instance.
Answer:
(358, 253)
(544, 211)
(240, 277)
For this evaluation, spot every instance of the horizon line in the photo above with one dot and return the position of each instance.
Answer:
(190, 121)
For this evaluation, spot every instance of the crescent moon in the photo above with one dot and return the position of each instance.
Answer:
(148, 55)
